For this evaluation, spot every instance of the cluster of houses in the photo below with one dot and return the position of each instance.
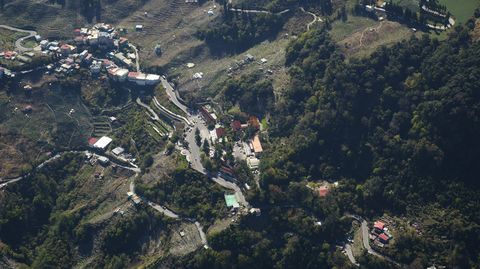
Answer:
(380, 234)
(119, 65)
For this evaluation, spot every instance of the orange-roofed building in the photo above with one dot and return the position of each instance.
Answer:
(254, 122)
(256, 145)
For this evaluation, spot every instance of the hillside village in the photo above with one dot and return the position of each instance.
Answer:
(207, 142)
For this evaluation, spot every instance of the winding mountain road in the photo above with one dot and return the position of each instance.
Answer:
(315, 18)
(18, 42)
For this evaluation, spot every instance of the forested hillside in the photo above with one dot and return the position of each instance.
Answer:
(399, 130)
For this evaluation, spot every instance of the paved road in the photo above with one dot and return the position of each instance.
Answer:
(194, 151)
(132, 167)
(348, 249)
(366, 244)
(258, 11)
(173, 97)
(154, 115)
(18, 42)
(202, 234)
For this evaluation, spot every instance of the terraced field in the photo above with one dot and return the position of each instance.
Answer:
(101, 126)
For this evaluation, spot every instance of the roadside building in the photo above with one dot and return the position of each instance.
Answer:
(378, 226)
(102, 143)
(118, 74)
(152, 79)
(103, 160)
(118, 150)
(132, 76)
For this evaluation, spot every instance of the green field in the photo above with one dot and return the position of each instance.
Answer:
(462, 10)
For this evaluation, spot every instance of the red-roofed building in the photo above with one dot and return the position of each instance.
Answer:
(220, 132)
(323, 191)
(92, 141)
(9, 54)
(383, 238)
(236, 125)
(123, 42)
(378, 226)
(77, 32)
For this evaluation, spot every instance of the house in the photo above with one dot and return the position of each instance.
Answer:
(253, 163)
(254, 122)
(207, 114)
(323, 191)
(118, 150)
(220, 132)
(378, 226)
(119, 58)
(44, 44)
(103, 160)
(67, 49)
(249, 58)
(118, 74)
(9, 55)
(102, 143)
(80, 40)
(122, 42)
(256, 145)
(92, 141)
(152, 79)
(132, 76)
(383, 238)
(139, 27)
(236, 125)
(95, 68)
(37, 38)
(255, 211)
(27, 109)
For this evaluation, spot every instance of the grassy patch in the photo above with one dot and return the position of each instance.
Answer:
(359, 36)
(8, 37)
(341, 30)
(462, 10)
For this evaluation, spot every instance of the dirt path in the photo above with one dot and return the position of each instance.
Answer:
(315, 18)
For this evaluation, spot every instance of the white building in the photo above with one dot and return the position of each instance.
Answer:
(102, 143)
